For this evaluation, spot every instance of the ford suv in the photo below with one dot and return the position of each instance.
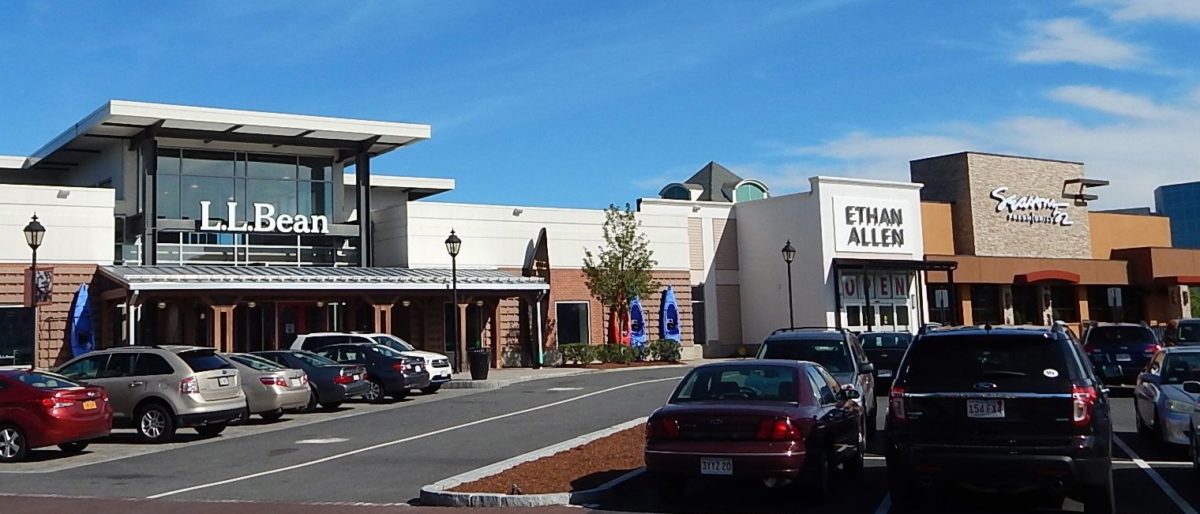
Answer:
(1005, 410)
(1120, 351)
(162, 388)
(838, 350)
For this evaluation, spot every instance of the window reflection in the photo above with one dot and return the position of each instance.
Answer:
(292, 184)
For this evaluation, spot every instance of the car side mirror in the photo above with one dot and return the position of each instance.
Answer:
(848, 392)
(1192, 387)
(866, 368)
(1149, 377)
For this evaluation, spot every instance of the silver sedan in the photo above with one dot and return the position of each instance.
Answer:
(270, 388)
(1163, 407)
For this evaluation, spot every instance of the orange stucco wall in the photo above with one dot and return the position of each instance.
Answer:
(1115, 231)
(938, 228)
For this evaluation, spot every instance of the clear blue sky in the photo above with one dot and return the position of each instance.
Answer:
(587, 103)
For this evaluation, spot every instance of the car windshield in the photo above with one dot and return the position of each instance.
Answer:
(1013, 360)
(1181, 367)
(46, 380)
(829, 353)
(313, 359)
(256, 363)
(1115, 335)
(743, 382)
(394, 343)
(1189, 332)
(875, 341)
(204, 360)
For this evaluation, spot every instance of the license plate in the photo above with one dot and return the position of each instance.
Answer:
(1123, 357)
(89, 405)
(716, 466)
(417, 369)
(357, 377)
(885, 373)
(222, 381)
(985, 409)
(295, 382)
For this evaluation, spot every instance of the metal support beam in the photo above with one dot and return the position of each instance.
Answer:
(362, 178)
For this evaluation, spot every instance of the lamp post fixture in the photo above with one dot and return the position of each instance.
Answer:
(34, 232)
(789, 255)
(453, 245)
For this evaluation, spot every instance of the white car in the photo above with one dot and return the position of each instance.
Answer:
(437, 364)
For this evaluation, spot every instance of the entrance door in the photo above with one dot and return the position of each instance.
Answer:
(1025, 305)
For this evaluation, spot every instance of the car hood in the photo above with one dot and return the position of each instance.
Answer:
(844, 378)
(424, 355)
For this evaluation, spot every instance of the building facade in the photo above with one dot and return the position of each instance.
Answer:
(1181, 203)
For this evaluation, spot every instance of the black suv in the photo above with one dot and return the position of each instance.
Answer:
(884, 350)
(837, 350)
(1009, 410)
(1120, 351)
(389, 373)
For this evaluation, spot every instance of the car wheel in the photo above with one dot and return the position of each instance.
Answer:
(155, 424)
(670, 488)
(1142, 430)
(330, 406)
(75, 447)
(242, 418)
(854, 466)
(431, 388)
(1099, 499)
(273, 415)
(312, 400)
(374, 392)
(400, 395)
(13, 445)
(211, 430)
(822, 481)
(1195, 453)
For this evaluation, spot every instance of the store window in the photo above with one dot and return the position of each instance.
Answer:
(854, 316)
(677, 193)
(749, 192)
(1026, 309)
(292, 184)
(1064, 304)
(573, 325)
(985, 304)
(939, 304)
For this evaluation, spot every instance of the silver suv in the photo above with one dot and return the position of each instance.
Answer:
(162, 388)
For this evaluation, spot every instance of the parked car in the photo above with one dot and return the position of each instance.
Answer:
(999, 409)
(1162, 408)
(40, 409)
(837, 350)
(389, 373)
(884, 350)
(437, 364)
(270, 388)
(162, 388)
(1182, 332)
(1120, 351)
(779, 421)
(330, 384)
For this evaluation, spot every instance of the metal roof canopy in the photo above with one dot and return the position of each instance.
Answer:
(286, 278)
(120, 119)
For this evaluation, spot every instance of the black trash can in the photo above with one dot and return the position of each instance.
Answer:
(481, 361)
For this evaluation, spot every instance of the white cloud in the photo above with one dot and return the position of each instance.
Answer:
(1112, 101)
(1144, 10)
(1072, 40)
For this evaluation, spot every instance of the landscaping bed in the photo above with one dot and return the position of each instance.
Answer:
(578, 469)
(618, 365)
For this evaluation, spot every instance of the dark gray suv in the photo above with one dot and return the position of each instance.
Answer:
(838, 350)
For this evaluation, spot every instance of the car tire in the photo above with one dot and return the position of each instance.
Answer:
(1195, 452)
(13, 445)
(821, 481)
(400, 395)
(272, 416)
(212, 430)
(670, 489)
(854, 466)
(73, 447)
(1099, 499)
(313, 400)
(431, 388)
(155, 423)
(374, 392)
(330, 406)
(243, 418)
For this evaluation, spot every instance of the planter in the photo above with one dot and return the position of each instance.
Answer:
(480, 360)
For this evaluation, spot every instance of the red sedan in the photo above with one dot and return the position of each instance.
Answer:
(44, 409)
(778, 421)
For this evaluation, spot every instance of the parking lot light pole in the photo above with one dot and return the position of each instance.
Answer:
(789, 255)
(453, 245)
(34, 232)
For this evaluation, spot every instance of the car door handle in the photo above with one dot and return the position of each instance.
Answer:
(137, 383)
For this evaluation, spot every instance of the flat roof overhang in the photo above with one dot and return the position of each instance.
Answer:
(1159, 266)
(120, 119)
(894, 264)
(302, 279)
(1049, 275)
(974, 269)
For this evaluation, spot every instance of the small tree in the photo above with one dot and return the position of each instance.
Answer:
(621, 268)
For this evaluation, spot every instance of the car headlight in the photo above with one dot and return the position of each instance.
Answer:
(1180, 406)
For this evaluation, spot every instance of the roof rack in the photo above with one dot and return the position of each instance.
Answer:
(814, 327)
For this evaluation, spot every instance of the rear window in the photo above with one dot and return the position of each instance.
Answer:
(313, 359)
(1116, 335)
(46, 381)
(876, 341)
(764, 383)
(204, 360)
(394, 343)
(256, 363)
(388, 351)
(1008, 361)
(832, 354)
(1181, 367)
(1189, 332)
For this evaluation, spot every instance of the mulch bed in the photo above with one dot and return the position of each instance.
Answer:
(585, 467)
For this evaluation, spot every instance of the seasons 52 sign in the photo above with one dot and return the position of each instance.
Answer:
(265, 220)
(872, 225)
(1031, 209)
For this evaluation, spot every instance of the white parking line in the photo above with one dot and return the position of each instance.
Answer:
(404, 440)
(1158, 479)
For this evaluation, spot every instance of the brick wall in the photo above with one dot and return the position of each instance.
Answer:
(52, 319)
(569, 285)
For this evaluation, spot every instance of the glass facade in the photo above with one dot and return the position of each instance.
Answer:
(1181, 203)
(293, 184)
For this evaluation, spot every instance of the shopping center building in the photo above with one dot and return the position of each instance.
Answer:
(242, 229)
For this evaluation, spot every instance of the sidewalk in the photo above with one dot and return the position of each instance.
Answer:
(498, 378)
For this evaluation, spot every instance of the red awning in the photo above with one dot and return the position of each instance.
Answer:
(1049, 275)
(1179, 280)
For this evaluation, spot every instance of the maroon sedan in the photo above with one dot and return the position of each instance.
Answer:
(777, 421)
(44, 409)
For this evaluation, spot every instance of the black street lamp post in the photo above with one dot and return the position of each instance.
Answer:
(789, 255)
(453, 245)
(34, 232)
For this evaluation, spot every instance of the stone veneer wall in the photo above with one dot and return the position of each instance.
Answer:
(946, 179)
(51, 348)
(996, 236)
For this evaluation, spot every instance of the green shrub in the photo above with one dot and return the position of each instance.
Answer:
(665, 350)
(615, 354)
(577, 353)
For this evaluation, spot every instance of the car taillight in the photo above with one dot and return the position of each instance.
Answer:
(55, 402)
(343, 379)
(1152, 349)
(1084, 403)
(273, 381)
(1091, 349)
(189, 385)
(896, 404)
(398, 367)
(777, 429)
(304, 378)
(662, 428)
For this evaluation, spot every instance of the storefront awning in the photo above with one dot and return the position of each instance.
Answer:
(263, 278)
(894, 264)
(976, 269)
(1048, 275)
(1179, 280)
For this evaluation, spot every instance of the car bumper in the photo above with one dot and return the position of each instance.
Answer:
(416, 380)
(215, 417)
(1015, 471)
(780, 460)
(68, 431)
(343, 392)
(439, 375)
(1176, 428)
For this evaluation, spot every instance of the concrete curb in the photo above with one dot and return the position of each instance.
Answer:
(439, 494)
(505, 382)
